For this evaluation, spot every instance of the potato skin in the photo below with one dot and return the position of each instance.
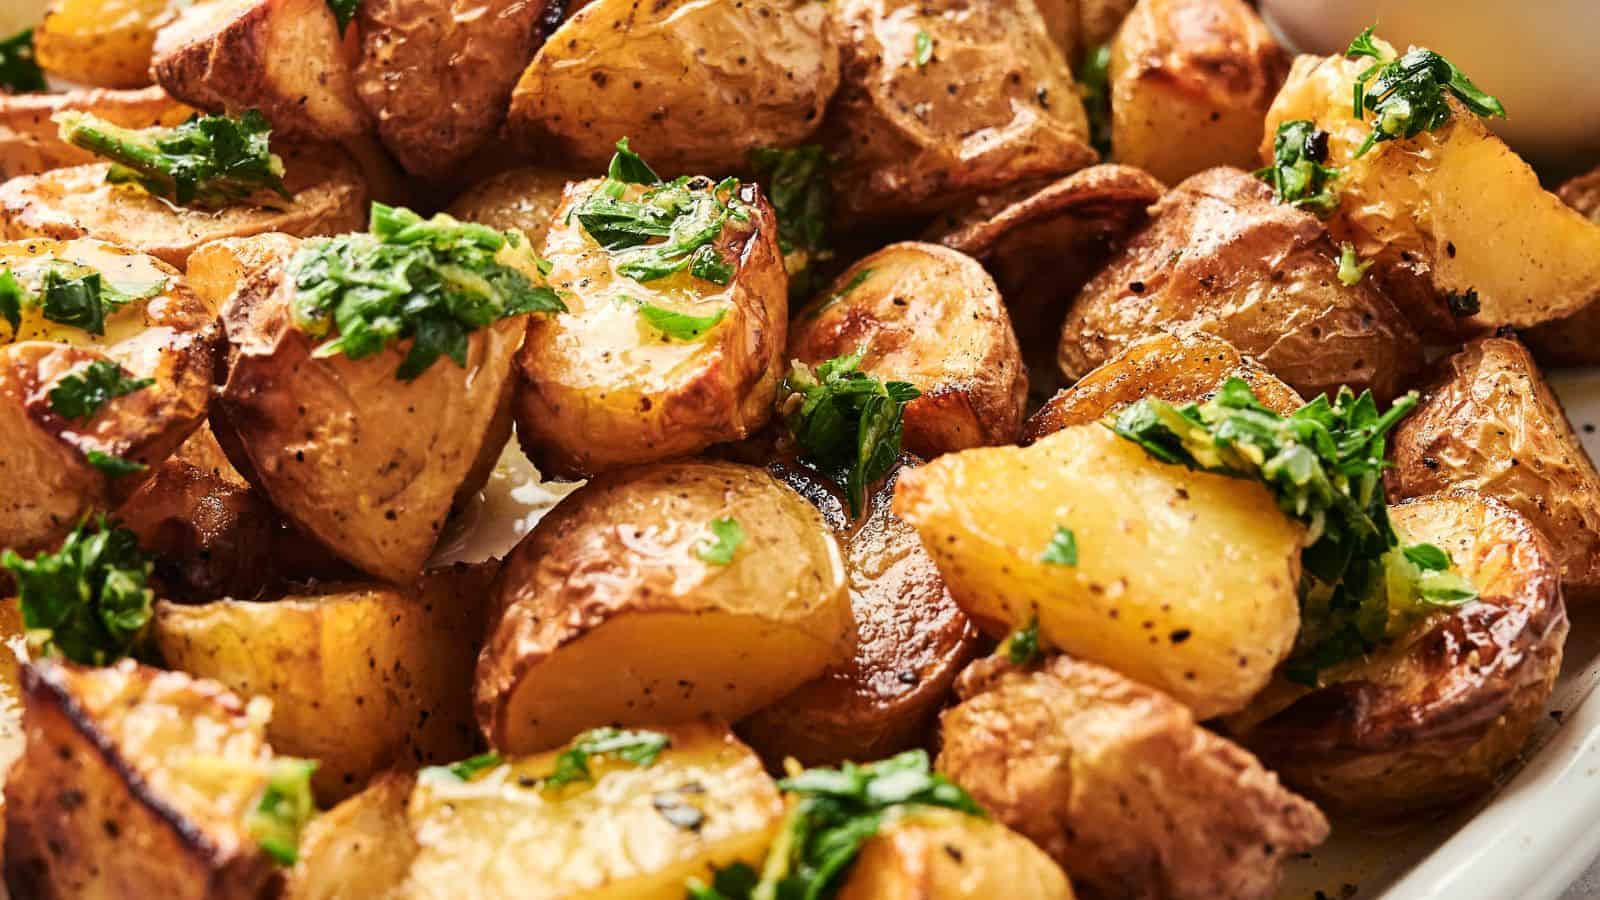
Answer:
(941, 854)
(1219, 256)
(932, 317)
(31, 143)
(1491, 424)
(600, 389)
(1120, 785)
(1436, 717)
(525, 199)
(994, 105)
(616, 562)
(1582, 193)
(101, 43)
(1191, 81)
(695, 84)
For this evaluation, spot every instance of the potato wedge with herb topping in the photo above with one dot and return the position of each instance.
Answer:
(1121, 785)
(930, 316)
(525, 199)
(102, 43)
(723, 590)
(942, 854)
(655, 366)
(1183, 580)
(30, 142)
(55, 419)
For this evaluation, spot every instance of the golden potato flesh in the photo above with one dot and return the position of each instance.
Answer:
(1176, 369)
(1120, 785)
(1220, 257)
(1491, 424)
(13, 651)
(602, 388)
(524, 199)
(167, 337)
(942, 854)
(504, 835)
(932, 317)
(696, 84)
(1445, 213)
(135, 783)
(31, 143)
(102, 43)
(1184, 580)
(614, 610)
(329, 198)
(1574, 340)
(990, 104)
(1190, 83)
(1437, 716)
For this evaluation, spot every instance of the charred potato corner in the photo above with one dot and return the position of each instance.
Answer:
(766, 449)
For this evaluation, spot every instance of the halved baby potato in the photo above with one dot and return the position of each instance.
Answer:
(30, 142)
(1183, 580)
(943, 854)
(525, 199)
(930, 316)
(168, 337)
(661, 594)
(102, 43)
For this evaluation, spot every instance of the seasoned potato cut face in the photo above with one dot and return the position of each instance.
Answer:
(360, 848)
(618, 608)
(1445, 213)
(524, 199)
(31, 143)
(603, 388)
(930, 316)
(1184, 580)
(941, 854)
(102, 43)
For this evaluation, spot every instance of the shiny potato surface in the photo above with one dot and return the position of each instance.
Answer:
(941, 854)
(525, 199)
(31, 143)
(932, 317)
(102, 43)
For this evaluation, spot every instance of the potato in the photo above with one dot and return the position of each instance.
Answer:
(1437, 716)
(1190, 83)
(697, 84)
(363, 462)
(13, 651)
(329, 198)
(911, 640)
(1176, 369)
(1490, 423)
(1451, 212)
(1219, 256)
(932, 317)
(31, 143)
(1185, 580)
(136, 783)
(102, 43)
(501, 835)
(1574, 340)
(1080, 26)
(601, 388)
(941, 854)
(525, 199)
(50, 484)
(616, 572)
(283, 57)
(992, 105)
(1120, 785)
(361, 676)
(1582, 193)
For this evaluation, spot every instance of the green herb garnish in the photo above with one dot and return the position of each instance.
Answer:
(284, 809)
(467, 768)
(629, 167)
(796, 182)
(19, 71)
(1094, 86)
(1022, 647)
(679, 326)
(208, 161)
(921, 49)
(1063, 548)
(638, 747)
(724, 541)
(68, 294)
(856, 280)
(343, 12)
(77, 397)
(1409, 95)
(87, 601)
(113, 466)
(1297, 174)
(12, 299)
(734, 882)
(1351, 268)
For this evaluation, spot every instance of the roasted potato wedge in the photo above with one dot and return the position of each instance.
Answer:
(1437, 716)
(1120, 785)
(911, 640)
(1491, 424)
(45, 456)
(1184, 580)
(697, 84)
(1190, 83)
(102, 43)
(136, 783)
(500, 834)
(992, 104)
(31, 143)
(329, 197)
(283, 57)
(1079, 26)
(1582, 193)
(1219, 256)
(602, 388)
(941, 854)
(1176, 369)
(620, 570)
(525, 199)
(930, 316)
(1451, 213)
(13, 652)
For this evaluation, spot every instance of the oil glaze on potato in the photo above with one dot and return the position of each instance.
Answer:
(1185, 580)
(932, 317)
(942, 854)
(1120, 785)
(30, 142)
(102, 43)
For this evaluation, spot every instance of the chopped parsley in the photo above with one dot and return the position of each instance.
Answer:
(1063, 548)
(1022, 647)
(77, 397)
(1409, 95)
(114, 466)
(921, 49)
(1297, 174)
(19, 71)
(856, 280)
(68, 294)
(283, 810)
(88, 601)
(847, 422)
(343, 12)
(677, 325)
(629, 167)
(12, 299)
(468, 768)
(727, 536)
(1094, 86)
(1351, 268)
(434, 281)
(208, 161)
(641, 748)
(796, 182)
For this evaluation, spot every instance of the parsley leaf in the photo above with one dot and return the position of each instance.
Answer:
(1063, 548)
(1428, 558)
(638, 747)
(1022, 647)
(77, 397)
(208, 161)
(1094, 86)
(846, 421)
(630, 168)
(1408, 95)
(88, 601)
(1351, 268)
(467, 768)
(734, 882)
(679, 326)
(1297, 174)
(12, 299)
(796, 182)
(19, 71)
(343, 12)
(921, 49)
(726, 538)
(284, 809)
(113, 466)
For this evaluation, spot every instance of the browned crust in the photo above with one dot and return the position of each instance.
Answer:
(1216, 50)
